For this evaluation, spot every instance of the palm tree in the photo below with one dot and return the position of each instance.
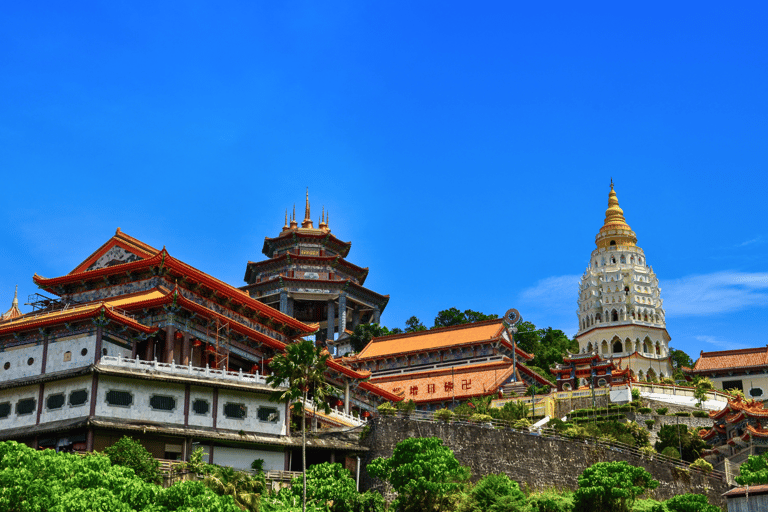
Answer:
(302, 368)
(244, 489)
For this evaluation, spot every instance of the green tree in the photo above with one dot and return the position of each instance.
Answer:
(548, 346)
(690, 503)
(245, 489)
(453, 316)
(130, 453)
(330, 485)
(364, 333)
(679, 436)
(32, 480)
(413, 324)
(701, 387)
(514, 410)
(301, 367)
(494, 493)
(424, 473)
(679, 360)
(611, 487)
(754, 471)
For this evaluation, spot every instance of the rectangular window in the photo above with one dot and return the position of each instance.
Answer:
(269, 414)
(466, 384)
(448, 386)
(119, 398)
(234, 411)
(733, 384)
(55, 401)
(162, 403)
(5, 409)
(430, 388)
(25, 406)
(414, 390)
(200, 406)
(78, 397)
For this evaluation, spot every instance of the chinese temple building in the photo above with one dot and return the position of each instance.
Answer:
(740, 429)
(619, 304)
(307, 277)
(588, 369)
(743, 369)
(443, 367)
(138, 342)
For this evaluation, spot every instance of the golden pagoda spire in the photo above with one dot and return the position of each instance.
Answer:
(323, 224)
(293, 218)
(307, 222)
(15, 302)
(615, 230)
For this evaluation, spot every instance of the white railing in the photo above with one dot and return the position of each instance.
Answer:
(335, 414)
(184, 370)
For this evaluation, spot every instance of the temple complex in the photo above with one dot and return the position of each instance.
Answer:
(307, 277)
(446, 366)
(737, 433)
(619, 304)
(138, 342)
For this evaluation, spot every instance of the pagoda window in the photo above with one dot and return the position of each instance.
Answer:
(448, 386)
(235, 411)
(755, 392)
(5, 409)
(617, 347)
(26, 406)
(55, 401)
(466, 384)
(119, 398)
(614, 316)
(268, 414)
(78, 397)
(430, 388)
(623, 259)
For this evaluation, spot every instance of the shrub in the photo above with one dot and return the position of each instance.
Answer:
(661, 411)
(635, 394)
(683, 414)
(649, 424)
(702, 465)
(647, 451)
(443, 415)
(550, 502)
(611, 487)
(644, 410)
(463, 411)
(130, 453)
(386, 409)
(701, 414)
(494, 493)
(522, 424)
(671, 451)
(480, 418)
(690, 503)
(406, 406)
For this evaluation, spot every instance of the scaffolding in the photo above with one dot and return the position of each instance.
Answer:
(220, 345)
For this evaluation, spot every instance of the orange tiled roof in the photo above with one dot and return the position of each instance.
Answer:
(465, 334)
(726, 359)
(460, 382)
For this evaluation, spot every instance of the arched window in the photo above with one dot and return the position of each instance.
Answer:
(617, 348)
(623, 259)
(613, 243)
(614, 316)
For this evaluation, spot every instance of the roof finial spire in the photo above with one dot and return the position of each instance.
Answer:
(16, 297)
(307, 222)
(611, 182)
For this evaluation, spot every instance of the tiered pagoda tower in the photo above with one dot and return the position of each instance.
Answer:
(619, 305)
(308, 278)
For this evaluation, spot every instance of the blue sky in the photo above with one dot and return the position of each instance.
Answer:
(464, 149)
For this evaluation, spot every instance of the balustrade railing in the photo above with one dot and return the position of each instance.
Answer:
(183, 370)
(309, 404)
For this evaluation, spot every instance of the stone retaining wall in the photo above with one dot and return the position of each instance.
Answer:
(534, 461)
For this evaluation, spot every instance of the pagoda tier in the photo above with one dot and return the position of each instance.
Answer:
(307, 277)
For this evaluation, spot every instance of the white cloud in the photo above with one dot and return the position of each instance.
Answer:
(722, 345)
(719, 292)
(552, 302)
(757, 240)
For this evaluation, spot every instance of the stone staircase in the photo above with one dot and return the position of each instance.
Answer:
(519, 388)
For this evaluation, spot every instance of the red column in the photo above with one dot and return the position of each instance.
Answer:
(169, 341)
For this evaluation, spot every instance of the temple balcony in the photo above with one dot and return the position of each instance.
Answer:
(183, 370)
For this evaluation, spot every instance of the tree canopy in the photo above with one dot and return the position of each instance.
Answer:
(424, 473)
(548, 346)
(32, 480)
(364, 333)
(678, 436)
(130, 453)
(754, 471)
(453, 316)
(611, 487)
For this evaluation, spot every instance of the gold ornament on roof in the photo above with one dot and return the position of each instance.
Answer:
(615, 230)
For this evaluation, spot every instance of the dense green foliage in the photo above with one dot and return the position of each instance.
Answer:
(700, 389)
(690, 503)
(130, 453)
(611, 487)
(679, 360)
(680, 436)
(364, 333)
(494, 493)
(548, 346)
(754, 471)
(32, 480)
(453, 316)
(244, 488)
(424, 473)
(331, 486)
(550, 502)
